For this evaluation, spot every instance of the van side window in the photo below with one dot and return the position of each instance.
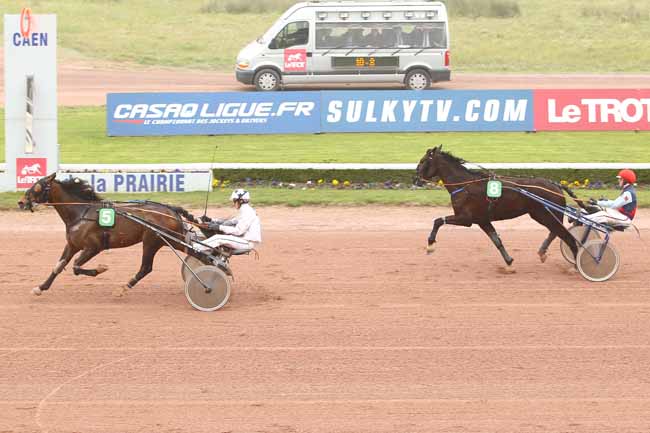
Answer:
(377, 35)
(291, 35)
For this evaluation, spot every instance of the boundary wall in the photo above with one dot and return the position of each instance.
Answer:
(299, 112)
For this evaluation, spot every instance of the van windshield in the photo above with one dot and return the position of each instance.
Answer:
(293, 34)
(403, 35)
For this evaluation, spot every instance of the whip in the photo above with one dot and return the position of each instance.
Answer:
(207, 193)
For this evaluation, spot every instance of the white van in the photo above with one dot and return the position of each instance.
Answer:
(351, 42)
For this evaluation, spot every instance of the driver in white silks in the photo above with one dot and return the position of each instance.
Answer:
(242, 233)
(619, 212)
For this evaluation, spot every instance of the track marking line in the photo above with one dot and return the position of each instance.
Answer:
(41, 404)
(143, 350)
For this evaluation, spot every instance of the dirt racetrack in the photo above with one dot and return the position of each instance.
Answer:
(343, 325)
(86, 82)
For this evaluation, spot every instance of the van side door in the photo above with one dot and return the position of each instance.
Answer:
(289, 50)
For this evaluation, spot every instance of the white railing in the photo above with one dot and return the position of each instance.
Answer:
(337, 166)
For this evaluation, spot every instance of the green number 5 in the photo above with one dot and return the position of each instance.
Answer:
(107, 217)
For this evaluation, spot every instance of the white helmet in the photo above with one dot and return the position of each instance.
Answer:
(240, 195)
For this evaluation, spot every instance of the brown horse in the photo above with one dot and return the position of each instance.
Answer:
(78, 205)
(472, 206)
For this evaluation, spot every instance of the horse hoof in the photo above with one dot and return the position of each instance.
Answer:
(101, 269)
(118, 292)
(543, 257)
(37, 291)
(431, 248)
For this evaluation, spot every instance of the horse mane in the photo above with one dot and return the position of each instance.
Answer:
(453, 159)
(80, 189)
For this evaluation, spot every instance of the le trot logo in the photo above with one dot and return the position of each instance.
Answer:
(29, 171)
(295, 60)
(28, 36)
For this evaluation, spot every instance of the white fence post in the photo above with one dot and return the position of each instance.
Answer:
(30, 85)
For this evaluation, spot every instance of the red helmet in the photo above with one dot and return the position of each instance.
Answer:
(627, 175)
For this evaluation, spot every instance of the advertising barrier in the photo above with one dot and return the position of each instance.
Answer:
(133, 182)
(139, 114)
(400, 111)
(592, 110)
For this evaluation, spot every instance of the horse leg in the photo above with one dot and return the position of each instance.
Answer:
(489, 229)
(542, 252)
(439, 222)
(84, 257)
(149, 250)
(556, 228)
(68, 252)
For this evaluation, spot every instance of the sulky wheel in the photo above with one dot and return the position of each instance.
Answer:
(578, 232)
(193, 263)
(215, 296)
(590, 267)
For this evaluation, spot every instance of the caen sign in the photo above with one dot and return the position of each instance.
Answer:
(28, 37)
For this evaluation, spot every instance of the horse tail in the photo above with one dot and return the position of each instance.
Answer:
(568, 190)
(572, 195)
(184, 213)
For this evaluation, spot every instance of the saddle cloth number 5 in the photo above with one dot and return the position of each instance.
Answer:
(106, 217)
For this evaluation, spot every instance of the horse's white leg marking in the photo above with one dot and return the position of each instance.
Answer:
(59, 267)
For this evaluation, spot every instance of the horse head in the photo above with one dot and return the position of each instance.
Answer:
(38, 193)
(427, 168)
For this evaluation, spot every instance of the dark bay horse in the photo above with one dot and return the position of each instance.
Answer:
(77, 205)
(468, 190)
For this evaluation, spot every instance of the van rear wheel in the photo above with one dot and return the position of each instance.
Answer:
(267, 80)
(417, 79)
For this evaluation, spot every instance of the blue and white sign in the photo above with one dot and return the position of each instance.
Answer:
(177, 181)
(138, 114)
(435, 110)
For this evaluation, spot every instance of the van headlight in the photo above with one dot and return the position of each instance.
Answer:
(243, 64)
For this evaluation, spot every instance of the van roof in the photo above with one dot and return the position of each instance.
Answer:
(387, 5)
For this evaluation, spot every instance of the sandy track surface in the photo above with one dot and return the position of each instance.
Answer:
(343, 325)
(87, 83)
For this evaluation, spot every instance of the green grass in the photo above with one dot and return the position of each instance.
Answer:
(547, 35)
(316, 197)
(82, 135)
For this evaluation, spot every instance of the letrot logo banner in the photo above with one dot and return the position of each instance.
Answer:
(295, 60)
(29, 170)
(587, 110)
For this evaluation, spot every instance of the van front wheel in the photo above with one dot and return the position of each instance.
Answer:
(267, 80)
(417, 79)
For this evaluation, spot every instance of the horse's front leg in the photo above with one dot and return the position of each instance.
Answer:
(68, 252)
(84, 257)
(439, 222)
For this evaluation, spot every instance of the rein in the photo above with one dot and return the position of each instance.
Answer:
(577, 200)
(123, 205)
